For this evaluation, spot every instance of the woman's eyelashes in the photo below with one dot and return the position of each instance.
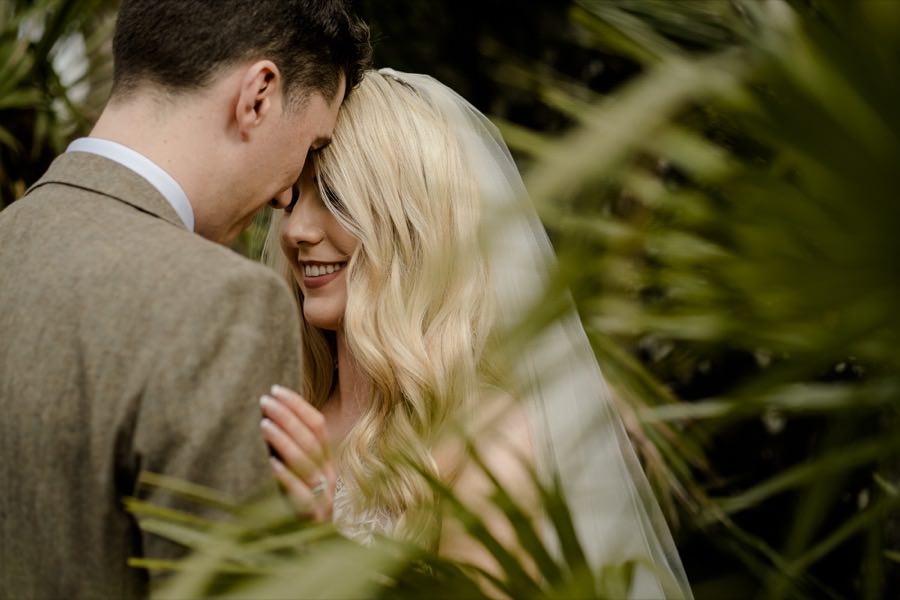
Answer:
(333, 200)
(328, 197)
(295, 195)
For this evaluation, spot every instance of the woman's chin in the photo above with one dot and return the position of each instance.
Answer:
(321, 320)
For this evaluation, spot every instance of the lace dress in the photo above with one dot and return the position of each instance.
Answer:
(364, 526)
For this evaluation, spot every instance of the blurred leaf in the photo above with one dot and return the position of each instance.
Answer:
(859, 453)
(21, 98)
(186, 489)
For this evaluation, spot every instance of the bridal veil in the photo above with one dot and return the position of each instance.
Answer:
(578, 436)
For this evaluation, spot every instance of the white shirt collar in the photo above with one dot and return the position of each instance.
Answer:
(143, 166)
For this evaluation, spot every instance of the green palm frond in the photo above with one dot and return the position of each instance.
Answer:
(256, 553)
(42, 107)
(756, 214)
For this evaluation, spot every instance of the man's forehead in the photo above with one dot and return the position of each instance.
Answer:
(318, 121)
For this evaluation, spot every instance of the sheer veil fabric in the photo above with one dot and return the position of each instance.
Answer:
(577, 433)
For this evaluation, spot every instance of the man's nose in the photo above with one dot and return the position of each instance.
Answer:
(283, 199)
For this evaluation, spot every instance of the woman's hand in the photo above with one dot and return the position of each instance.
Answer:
(296, 433)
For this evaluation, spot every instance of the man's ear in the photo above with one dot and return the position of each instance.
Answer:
(260, 88)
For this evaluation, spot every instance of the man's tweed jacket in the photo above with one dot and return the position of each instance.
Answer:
(127, 343)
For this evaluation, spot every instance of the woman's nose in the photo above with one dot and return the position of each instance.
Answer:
(301, 227)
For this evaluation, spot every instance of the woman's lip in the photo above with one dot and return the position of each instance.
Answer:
(317, 282)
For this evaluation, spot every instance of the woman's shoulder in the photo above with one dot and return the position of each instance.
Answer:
(500, 450)
(496, 437)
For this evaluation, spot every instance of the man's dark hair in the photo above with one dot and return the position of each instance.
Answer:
(181, 45)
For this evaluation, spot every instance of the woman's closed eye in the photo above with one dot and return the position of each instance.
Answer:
(328, 195)
(333, 200)
(295, 195)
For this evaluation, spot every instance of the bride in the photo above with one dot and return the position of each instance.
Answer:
(415, 258)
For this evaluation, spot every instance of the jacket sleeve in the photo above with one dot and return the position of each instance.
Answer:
(232, 338)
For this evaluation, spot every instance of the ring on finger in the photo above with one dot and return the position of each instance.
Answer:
(320, 486)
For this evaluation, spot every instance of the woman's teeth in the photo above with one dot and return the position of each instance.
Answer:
(319, 270)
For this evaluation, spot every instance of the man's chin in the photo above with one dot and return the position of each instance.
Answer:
(231, 237)
(226, 236)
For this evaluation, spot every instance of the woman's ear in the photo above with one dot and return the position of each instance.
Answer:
(259, 88)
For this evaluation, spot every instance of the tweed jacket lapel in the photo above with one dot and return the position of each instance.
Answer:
(99, 174)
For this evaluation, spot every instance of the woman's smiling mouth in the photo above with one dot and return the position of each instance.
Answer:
(315, 275)
(320, 269)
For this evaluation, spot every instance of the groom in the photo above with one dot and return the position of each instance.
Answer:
(130, 338)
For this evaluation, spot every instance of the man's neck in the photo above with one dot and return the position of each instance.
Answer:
(161, 139)
(177, 139)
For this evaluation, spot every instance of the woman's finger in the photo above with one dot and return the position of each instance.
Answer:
(288, 422)
(316, 506)
(306, 412)
(296, 489)
(290, 453)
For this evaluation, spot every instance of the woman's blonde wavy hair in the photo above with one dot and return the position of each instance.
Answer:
(419, 307)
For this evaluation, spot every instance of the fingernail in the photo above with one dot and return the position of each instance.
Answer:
(267, 424)
(279, 390)
(267, 401)
(277, 464)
